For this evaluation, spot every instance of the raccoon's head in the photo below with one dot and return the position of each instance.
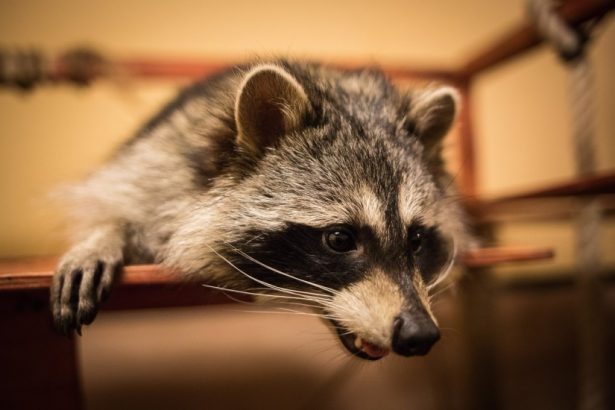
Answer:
(340, 208)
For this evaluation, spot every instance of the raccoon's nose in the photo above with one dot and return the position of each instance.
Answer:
(413, 335)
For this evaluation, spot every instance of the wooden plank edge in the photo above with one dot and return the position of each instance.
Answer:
(83, 65)
(599, 184)
(146, 275)
(484, 257)
(132, 275)
(536, 209)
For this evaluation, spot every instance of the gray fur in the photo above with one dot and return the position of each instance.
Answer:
(208, 176)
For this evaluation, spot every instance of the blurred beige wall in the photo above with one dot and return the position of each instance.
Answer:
(58, 134)
(428, 32)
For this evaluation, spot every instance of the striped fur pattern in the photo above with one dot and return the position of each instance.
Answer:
(254, 179)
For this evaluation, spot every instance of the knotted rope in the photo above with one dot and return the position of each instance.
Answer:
(25, 69)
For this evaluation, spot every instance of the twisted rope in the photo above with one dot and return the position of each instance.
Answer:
(570, 45)
(582, 110)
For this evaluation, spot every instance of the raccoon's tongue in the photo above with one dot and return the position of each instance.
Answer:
(370, 349)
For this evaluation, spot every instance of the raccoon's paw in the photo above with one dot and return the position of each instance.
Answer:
(82, 281)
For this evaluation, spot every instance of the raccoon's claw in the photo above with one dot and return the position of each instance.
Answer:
(79, 286)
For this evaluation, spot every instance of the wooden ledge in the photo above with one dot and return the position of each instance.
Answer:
(82, 66)
(36, 273)
(485, 257)
(599, 184)
(602, 185)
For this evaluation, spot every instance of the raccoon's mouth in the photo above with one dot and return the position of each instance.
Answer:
(359, 347)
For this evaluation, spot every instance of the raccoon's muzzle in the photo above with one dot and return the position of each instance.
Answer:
(359, 347)
(412, 335)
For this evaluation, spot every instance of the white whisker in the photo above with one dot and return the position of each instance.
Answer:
(244, 292)
(274, 312)
(272, 269)
(444, 289)
(286, 310)
(446, 271)
(266, 284)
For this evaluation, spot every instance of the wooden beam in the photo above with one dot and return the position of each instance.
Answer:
(485, 257)
(536, 209)
(37, 273)
(81, 66)
(161, 68)
(525, 37)
(600, 184)
(22, 275)
(468, 172)
(554, 201)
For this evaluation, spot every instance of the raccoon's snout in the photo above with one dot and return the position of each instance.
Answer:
(414, 336)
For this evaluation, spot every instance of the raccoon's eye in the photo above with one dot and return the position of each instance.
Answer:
(339, 239)
(416, 237)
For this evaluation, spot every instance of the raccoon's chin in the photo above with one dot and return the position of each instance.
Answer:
(359, 347)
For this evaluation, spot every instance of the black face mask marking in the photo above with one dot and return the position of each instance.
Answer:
(303, 252)
(298, 251)
(428, 250)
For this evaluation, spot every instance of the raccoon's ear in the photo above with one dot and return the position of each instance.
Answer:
(270, 103)
(433, 112)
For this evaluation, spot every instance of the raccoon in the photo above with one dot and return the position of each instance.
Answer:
(294, 181)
